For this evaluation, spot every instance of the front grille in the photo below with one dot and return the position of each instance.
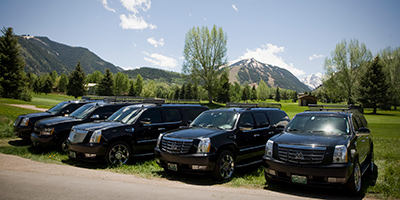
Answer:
(175, 146)
(301, 154)
(77, 136)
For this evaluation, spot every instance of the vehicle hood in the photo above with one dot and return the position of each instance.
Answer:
(53, 121)
(191, 133)
(33, 115)
(309, 139)
(98, 126)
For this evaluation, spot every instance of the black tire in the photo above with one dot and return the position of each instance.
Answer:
(62, 144)
(354, 182)
(225, 166)
(118, 153)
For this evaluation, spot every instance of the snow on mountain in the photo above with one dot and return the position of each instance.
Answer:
(313, 80)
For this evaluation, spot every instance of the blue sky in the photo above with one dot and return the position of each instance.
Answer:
(296, 35)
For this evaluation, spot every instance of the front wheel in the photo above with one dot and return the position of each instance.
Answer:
(354, 182)
(118, 153)
(225, 166)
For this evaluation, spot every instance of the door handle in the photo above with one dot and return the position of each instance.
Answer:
(161, 129)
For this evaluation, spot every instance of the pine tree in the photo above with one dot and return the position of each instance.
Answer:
(131, 91)
(277, 95)
(47, 85)
(223, 94)
(139, 85)
(253, 94)
(182, 93)
(246, 93)
(373, 86)
(12, 76)
(76, 82)
(294, 96)
(62, 85)
(106, 85)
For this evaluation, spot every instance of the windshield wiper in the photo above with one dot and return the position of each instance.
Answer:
(295, 129)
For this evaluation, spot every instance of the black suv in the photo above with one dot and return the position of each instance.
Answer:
(219, 140)
(328, 147)
(55, 130)
(131, 131)
(23, 125)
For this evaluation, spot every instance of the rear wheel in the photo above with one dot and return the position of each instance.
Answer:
(118, 153)
(225, 166)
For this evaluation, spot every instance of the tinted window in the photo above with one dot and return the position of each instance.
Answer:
(245, 119)
(261, 119)
(192, 112)
(317, 124)
(72, 107)
(356, 123)
(154, 114)
(172, 114)
(277, 115)
(57, 108)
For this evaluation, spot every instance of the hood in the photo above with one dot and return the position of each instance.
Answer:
(98, 126)
(55, 121)
(40, 114)
(191, 133)
(309, 139)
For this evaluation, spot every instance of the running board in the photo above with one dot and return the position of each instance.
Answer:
(144, 154)
(248, 164)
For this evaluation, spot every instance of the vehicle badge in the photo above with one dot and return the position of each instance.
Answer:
(299, 156)
(174, 146)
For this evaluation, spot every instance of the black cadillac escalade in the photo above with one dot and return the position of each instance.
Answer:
(327, 147)
(23, 125)
(55, 130)
(219, 140)
(131, 131)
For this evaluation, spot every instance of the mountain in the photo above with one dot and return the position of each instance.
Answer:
(43, 55)
(251, 71)
(155, 74)
(312, 81)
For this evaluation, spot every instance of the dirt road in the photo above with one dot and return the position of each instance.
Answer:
(32, 107)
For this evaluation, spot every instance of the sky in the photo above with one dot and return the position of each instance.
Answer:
(291, 34)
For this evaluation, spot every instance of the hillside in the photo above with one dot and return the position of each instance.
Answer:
(155, 74)
(250, 71)
(42, 55)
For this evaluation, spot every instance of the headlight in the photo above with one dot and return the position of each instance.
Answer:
(269, 148)
(204, 145)
(47, 131)
(25, 121)
(159, 139)
(96, 136)
(340, 154)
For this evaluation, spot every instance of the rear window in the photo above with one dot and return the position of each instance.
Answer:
(172, 115)
(192, 112)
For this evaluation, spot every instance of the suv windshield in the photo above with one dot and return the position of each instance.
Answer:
(216, 119)
(331, 125)
(57, 108)
(126, 115)
(83, 111)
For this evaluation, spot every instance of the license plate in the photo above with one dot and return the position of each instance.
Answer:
(72, 154)
(299, 179)
(172, 167)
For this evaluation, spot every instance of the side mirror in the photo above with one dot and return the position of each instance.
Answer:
(246, 127)
(280, 127)
(363, 130)
(145, 121)
(95, 117)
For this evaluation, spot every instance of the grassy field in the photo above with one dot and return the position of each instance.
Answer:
(385, 127)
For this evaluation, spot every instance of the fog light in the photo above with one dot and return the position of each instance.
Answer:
(199, 167)
(336, 180)
(270, 171)
(90, 155)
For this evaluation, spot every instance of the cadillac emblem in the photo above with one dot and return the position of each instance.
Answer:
(299, 156)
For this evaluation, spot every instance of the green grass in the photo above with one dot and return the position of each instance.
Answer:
(385, 127)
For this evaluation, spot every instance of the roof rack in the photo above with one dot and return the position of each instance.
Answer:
(183, 101)
(343, 108)
(241, 105)
(154, 101)
(270, 105)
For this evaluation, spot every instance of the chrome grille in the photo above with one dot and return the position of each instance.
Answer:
(175, 146)
(77, 136)
(301, 154)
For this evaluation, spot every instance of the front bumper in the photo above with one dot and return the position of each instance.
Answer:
(23, 131)
(43, 140)
(86, 151)
(192, 163)
(320, 174)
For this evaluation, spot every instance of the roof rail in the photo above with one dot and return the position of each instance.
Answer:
(183, 101)
(154, 101)
(241, 105)
(270, 105)
(343, 108)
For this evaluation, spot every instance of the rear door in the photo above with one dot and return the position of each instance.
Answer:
(247, 139)
(148, 132)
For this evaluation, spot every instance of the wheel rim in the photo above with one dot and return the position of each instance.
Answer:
(64, 146)
(357, 177)
(119, 154)
(227, 166)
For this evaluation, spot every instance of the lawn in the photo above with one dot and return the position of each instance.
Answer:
(385, 127)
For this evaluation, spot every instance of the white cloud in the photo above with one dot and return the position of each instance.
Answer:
(268, 54)
(105, 4)
(154, 42)
(134, 22)
(315, 56)
(162, 61)
(234, 7)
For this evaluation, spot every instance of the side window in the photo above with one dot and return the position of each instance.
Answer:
(154, 114)
(278, 116)
(261, 119)
(105, 111)
(192, 113)
(172, 115)
(356, 123)
(246, 119)
(72, 107)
